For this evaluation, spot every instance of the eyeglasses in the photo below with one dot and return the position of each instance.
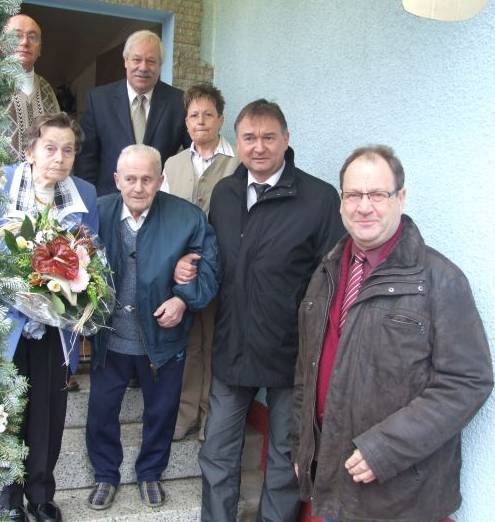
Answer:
(377, 196)
(32, 38)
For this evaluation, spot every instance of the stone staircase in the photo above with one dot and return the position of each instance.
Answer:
(182, 482)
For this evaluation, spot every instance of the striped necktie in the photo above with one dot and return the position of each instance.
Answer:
(353, 286)
(138, 117)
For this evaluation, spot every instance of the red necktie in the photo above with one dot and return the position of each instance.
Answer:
(353, 285)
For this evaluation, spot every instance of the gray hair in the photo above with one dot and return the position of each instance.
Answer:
(144, 150)
(141, 36)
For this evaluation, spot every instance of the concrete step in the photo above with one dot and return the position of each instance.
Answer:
(183, 503)
(77, 405)
(74, 470)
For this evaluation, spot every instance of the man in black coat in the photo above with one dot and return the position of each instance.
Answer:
(274, 223)
(140, 109)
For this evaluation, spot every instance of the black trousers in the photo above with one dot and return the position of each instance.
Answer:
(42, 362)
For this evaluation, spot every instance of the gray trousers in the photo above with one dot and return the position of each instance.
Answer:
(220, 455)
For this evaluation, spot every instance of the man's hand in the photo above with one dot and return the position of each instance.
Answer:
(359, 469)
(170, 312)
(186, 269)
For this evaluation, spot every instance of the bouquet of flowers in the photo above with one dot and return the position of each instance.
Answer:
(61, 274)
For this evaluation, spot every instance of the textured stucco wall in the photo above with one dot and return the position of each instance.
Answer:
(350, 73)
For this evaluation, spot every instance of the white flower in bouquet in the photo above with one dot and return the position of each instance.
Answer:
(53, 286)
(62, 286)
(21, 242)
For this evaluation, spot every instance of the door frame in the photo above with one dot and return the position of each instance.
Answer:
(165, 18)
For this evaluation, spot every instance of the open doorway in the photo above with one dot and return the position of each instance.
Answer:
(83, 49)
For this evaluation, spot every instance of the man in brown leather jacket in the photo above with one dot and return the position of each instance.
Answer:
(393, 362)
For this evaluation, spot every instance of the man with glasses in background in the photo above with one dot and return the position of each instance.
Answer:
(393, 362)
(35, 96)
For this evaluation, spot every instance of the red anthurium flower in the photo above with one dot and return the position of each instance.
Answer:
(57, 258)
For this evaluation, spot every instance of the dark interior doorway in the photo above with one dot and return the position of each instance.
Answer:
(81, 50)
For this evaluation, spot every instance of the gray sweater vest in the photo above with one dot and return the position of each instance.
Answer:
(126, 338)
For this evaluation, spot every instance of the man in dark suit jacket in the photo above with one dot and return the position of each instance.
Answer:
(140, 109)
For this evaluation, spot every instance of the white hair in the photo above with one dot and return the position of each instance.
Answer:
(144, 150)
(141, 36)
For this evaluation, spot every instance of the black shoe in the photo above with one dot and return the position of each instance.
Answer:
(17, 514)
(47, 512)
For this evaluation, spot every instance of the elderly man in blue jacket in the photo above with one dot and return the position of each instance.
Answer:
(145, 232)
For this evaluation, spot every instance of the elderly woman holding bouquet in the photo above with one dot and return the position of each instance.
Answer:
(42, 352)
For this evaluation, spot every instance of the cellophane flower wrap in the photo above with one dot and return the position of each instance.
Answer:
(63, 273)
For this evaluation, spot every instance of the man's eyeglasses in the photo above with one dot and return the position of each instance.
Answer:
(377, 196)
(32, 38)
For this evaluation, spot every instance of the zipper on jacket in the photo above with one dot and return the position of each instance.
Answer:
(320, 344)
(141, 333)
(407, 321)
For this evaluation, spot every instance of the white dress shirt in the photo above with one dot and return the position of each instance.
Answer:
(200, 163)
(28, 82)
(272, 181)
(135, 224)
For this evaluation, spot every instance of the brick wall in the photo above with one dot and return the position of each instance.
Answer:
(188, 68)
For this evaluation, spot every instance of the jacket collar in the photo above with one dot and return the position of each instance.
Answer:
(287, 184)
(408, 256)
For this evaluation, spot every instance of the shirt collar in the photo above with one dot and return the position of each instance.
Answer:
(223, 147)
(135, 223)
(131, 93)
(272, 180)
(376, 256)
(22, 195)
(27, 86)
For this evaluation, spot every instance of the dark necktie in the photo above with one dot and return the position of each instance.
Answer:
(353, 285)
(260, 189)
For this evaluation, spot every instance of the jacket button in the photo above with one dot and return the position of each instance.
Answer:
(420, 288)
(309, 305)
(242, 235)
(313, 364)
(391, 289)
